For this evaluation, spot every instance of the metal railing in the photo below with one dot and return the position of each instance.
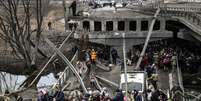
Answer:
(177, 84)
(178, 92)
(64, 75)
(63, 57)
(179, 74)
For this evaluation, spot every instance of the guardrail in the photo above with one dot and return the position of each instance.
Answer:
(176, 86)
(177, 92)
(191, 15)
(173, 7)
(179, 74)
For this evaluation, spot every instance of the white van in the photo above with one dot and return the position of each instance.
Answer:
(135, 80)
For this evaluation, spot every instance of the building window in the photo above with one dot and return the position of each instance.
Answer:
(97, 26)
(157, 25)
(121, 25)
(109, 26)
(132, 25)
(86, 25)
(144, 25)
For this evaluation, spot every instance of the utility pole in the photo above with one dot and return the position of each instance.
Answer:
(125, 67)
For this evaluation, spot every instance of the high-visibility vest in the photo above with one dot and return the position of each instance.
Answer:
(93, 55)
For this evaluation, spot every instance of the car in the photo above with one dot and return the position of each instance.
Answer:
(104, 3)
(119, 5)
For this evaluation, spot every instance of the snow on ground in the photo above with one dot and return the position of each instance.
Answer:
(47, 80)
(10, 81)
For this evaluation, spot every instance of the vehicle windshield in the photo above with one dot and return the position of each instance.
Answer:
(133, 86)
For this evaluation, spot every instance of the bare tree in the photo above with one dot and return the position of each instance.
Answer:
(15, 28)
(39, 18)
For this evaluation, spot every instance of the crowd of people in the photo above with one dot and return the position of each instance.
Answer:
(163, 53)
(56, 94)
(103, 95)
(166, 55)
(94, 54)
(189, 57)
(120, 95)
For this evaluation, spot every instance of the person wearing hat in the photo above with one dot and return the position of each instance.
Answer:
(59, 95)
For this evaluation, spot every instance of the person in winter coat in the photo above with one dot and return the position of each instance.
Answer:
(114, 55)
(119, 96)
(93, 56)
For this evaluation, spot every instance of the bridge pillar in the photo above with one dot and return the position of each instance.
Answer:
(115, 25)
(183, 14)
(127, 25)
(189, 17)
(186, 15)
(103, 25)
(180, 13)
(193, 18)
(198, 22)
(80, 26)
(91, 25)
(138, 25)
(149, 23)
(162, 25)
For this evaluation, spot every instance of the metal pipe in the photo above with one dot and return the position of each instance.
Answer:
(125, 66)
(67, 62)
(66, 85)
(62, 74)
(107, 81)
(198, 97)
(147, 39)
(97, 83)
(52, 57)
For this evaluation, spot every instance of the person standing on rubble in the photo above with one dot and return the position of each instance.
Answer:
(93, 56)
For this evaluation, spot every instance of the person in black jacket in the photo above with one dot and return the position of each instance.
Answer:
(119, 96)
(73, 7)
